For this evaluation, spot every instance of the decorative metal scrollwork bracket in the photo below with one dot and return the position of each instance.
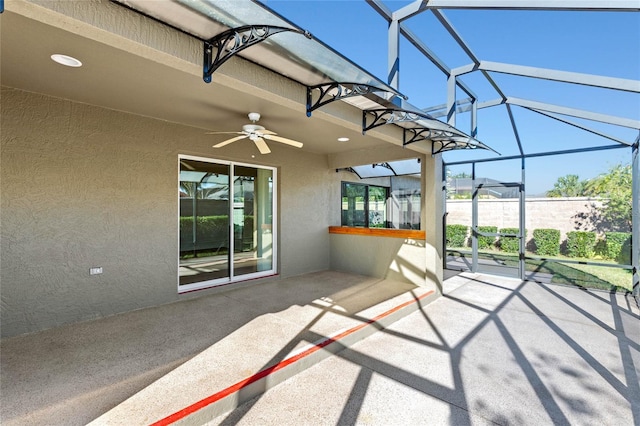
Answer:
(330, 92)
(235, 40)
(389, 116)
(449, 145)
(423, 133)
(386, 166)
(349, 169)
(443, 140)
(458, 142)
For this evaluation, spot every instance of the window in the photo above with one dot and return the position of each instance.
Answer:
(364, 205)
(404, 212)
(226, 222)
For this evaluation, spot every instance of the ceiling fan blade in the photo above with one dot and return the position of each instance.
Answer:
(228, 141)
(284, 140)
(266, 132)
(262, 146)
(224, 133)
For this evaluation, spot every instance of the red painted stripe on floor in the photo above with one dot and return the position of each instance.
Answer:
(267, 371)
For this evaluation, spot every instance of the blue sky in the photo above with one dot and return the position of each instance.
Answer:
(601, 43)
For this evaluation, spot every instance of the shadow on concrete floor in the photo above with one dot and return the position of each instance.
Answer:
(491, 351)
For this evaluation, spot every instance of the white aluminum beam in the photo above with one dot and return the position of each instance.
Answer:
(451, 101)
(422, 48)
(463, 45)
(474, 118)
(456, 36)
(465, 69)
(459, 103)
(387, 14)
(515, 130)
(393, 55)
(440, 110)
(410, 10)
(579, 126)
(381, 8)
(635, 219)
(587, 115)
(576, 5)
(563, 76)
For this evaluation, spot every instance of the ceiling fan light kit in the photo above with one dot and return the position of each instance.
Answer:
(257, 134)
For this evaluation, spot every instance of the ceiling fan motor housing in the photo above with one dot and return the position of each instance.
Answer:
(252, 128)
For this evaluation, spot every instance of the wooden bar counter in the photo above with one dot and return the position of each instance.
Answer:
(379, 232)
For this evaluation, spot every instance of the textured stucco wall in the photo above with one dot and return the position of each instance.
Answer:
(305, 212)
(383, 257)
(556, 213)
(83, 186)
(432, 211)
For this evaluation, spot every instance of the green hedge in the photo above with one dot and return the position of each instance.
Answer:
(510, 244)
(618, 246)
(547, 241)
(211, 232)
(457, 235)
(486, 242)
(581, 244)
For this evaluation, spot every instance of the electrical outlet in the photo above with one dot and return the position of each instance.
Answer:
(95, 271)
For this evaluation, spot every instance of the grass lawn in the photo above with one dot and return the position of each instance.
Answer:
(588, 276)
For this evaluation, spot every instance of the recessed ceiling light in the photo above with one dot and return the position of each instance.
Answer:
(66, 60)
(343, 139)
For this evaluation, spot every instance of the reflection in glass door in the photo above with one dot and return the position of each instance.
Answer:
(204, 221)
(485, 213)
(226, 222)
(496, 235)
(252, 220)
(498, 221)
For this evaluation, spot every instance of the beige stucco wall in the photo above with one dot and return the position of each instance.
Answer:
(83, 186)
(432, 215)
(396, 259)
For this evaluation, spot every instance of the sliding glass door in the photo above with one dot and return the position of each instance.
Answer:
(226, 222)
(252, 220)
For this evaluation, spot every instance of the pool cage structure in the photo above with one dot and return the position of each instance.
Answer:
(471, 104)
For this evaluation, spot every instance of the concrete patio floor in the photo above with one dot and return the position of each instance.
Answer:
(492, 351)
(139, 367)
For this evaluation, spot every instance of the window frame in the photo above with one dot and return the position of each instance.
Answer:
(367, 224)
(231, 278)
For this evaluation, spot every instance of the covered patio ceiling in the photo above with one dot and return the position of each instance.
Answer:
(121, 75)
(157, 73)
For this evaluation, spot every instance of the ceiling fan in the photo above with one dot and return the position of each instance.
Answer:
(257, 134)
